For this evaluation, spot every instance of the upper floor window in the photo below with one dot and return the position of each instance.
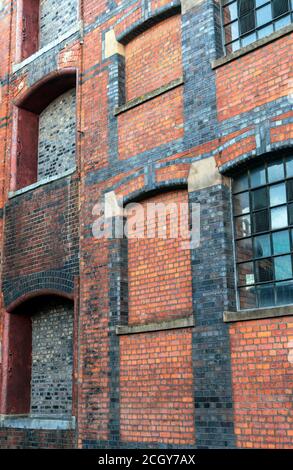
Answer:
(263, 221)
(245, 21)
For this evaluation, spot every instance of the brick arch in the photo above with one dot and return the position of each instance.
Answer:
(143, 24)
(35, 285)
(242, 160)
(27, 109)
(156, 188)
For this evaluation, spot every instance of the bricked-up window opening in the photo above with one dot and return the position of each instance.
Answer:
(263, 221)
(159, 269)
(56, 146)
(56, 17)
(43, 21)
(44, 135)
(245, 21)
(40, 359)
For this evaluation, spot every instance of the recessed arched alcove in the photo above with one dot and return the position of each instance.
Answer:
(44, 122)
(38, 357)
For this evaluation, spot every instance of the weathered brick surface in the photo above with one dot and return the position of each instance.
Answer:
(52, 358)
(156, 388)
(35, 439)
(57, 136)
(255, 79)
(261, 355)
(153, 58)
(235, 112)
(159, 273)
(135, 127)
(56, 18)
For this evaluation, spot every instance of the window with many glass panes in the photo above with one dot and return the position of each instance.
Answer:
(245, 21)
(263, 224)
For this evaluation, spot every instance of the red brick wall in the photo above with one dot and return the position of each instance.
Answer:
(151, 124)
(156, 387)
(254, 79)
(153, 58)
(159, 270)
(46, 225)
(262, 374)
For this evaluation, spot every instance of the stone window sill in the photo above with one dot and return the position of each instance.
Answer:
(75, 29)
(186, 322)
(148, 96)
(258, 314)
(30, 422)
(252, 47)
(42, 182)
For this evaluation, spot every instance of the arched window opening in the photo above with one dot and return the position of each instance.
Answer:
(39, 359)
(45, 131)
(263, 221)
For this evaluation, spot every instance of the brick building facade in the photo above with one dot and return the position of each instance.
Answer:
(109, 342)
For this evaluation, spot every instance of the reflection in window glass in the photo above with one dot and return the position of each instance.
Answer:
(283, 267)
(244, 250)
(279, 217)
(256, 19)
(275, 172)
(266, 295)
(281, 242)
(243, 226)
(258, 177)
(262, 246)
(241, 204)
(277, 194)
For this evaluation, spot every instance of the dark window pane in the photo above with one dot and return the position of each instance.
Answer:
(281, 242)
(262, 246)
(260, 221)
(280, 7)
(289, 167)
(245, 274)
(245, 6)
(259, 198)
(264, 15)
(290, 190)
(283, 267)
(275, 171)
(258, 177)
(264, 270)
(230, 13)
(265, 294)
(279, 218)
(243, 224)
(241, 203)
(284, 292)
(247, 297)
(240, 183)
(278, 194)
(244, 249)
(290, 211)
(247, 23)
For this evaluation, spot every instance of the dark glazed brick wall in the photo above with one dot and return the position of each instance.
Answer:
(35, 439)
(56, 18)
(213, 281)
(57, 136)
(52, 356)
